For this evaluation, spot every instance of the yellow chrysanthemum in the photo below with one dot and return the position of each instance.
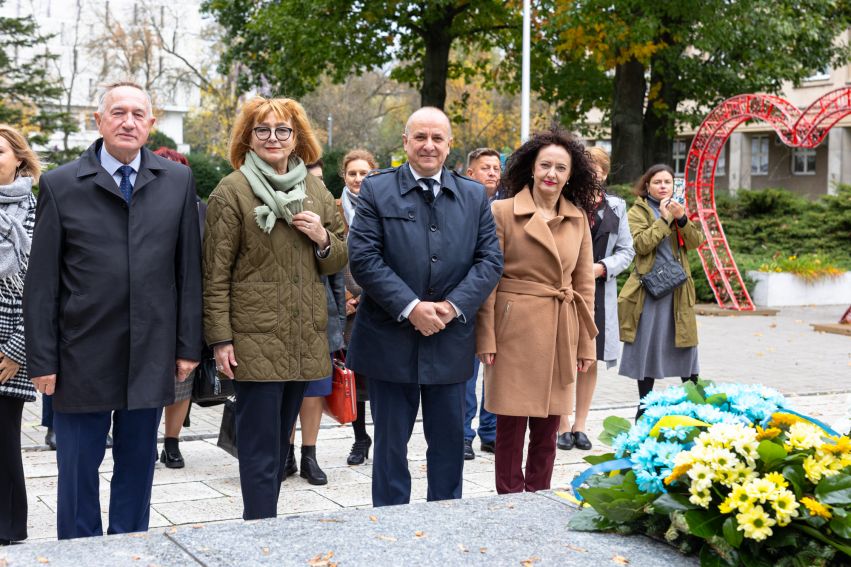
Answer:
(842, 445)
(769, 433)
(678, 471)
(785, 507)
(816, 508)
(700, 497)
(777, 479)
(756, 523)
(727, 506)
(701, 476)
(740, 499)
(781, 419)
(803, 436)
(760, 489)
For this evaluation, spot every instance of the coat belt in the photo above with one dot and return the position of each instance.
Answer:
(566, 298)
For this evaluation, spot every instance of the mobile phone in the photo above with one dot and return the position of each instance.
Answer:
(679, 191)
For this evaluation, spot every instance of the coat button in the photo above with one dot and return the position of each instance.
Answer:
(430, 291)
(295, 312)
(433, 227)
(434, 258)
(295, 279)
(411, 215)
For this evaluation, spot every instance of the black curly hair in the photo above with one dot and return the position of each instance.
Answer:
(582, 186)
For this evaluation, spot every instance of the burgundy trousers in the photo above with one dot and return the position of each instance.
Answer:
(510, 439)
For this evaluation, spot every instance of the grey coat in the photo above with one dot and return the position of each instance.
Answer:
(619, 254)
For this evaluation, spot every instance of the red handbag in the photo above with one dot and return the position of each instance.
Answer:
(342, 402)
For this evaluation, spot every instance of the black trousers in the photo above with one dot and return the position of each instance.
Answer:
(265, 415)
(13, 489)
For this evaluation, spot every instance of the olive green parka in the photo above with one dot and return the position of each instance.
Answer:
(647, 232)
(263, 291)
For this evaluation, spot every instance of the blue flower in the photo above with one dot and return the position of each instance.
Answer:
(650, 481)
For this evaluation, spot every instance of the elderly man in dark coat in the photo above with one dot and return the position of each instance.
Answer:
(423, 246)
(112, 310)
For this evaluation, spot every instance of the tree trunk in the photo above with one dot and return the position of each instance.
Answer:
(627, 117)
(438, 41)
(660, 116)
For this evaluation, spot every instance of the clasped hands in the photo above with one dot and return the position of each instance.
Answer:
(430, 317)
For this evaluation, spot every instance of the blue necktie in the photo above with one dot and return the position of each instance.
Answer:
(126, 187)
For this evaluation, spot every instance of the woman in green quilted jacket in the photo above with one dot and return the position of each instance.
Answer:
(659, 334)
(272, 231)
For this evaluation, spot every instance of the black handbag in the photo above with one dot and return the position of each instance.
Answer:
(663, 279)
(207, 388)
(227, 431)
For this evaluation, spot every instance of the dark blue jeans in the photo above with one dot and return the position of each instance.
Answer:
(487, 420)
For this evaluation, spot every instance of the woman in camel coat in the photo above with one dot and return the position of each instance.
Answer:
(537, 328)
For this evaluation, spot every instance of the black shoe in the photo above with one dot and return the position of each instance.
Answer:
(108, 441)
(50, 439)
(581, 441)
(469, 454)
(487, 446)
(172, 458)
(5, 542)
(360, 451)
(565, 441)
(310, 468)
(290, 468)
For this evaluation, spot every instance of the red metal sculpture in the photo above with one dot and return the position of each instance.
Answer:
(795, 128)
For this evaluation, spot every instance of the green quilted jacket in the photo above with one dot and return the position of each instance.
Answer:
(262, 291)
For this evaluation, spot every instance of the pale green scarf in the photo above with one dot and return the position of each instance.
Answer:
(282, 195)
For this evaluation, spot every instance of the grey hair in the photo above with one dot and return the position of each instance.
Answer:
(424, 110)
(111, 87)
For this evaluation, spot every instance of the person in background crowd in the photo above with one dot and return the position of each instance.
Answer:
(659, 335)
(483, 165)
(19, 169)
(611, 244)
(423, 248)
(272, 232)
(112, 310)
(176, 413)
(356, 165)
(310, 413)
(536, 330)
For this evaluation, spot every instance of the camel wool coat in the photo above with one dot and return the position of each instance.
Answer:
(540, 318)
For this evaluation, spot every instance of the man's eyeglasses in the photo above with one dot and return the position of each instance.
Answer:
(282, 133)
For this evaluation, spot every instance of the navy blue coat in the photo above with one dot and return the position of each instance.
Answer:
(113, 293)
(401, 249)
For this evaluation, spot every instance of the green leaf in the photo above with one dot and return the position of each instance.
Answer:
(693, 394)
(612, 427)
(795, 475)
(841, 526)
(731, 533)
(704, 523)
(835, 490)
(671, 502)
(770, 452)
(589, 520)
(597, 459)
(812, 532)
(717, 399)
(708, 558)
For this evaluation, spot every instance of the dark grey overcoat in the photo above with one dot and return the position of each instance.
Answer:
(113, 293)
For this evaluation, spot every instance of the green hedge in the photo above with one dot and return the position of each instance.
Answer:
(761, 224)
(208, 171)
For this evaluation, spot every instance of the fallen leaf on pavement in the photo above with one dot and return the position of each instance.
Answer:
(41, 559)
(419, 534)
(757, 334)
(386, 538)
(322, 560)
(576, 548)
(197, 526)
(462, 548)
(136, 558)
(529, 562)
(483, 550)
(264, 550)
(373, 518)
(620, 560)
(331, 521)
(773, 326)
(172, 531)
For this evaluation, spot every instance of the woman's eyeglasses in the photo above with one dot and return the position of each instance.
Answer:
(282, 133)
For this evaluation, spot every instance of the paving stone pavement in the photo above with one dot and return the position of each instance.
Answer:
(813, 369)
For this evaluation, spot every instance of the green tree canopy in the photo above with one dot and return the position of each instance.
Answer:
(653, 65)
(28, 94)
(289, 46)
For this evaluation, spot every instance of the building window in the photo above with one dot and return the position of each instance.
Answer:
(678, 154)
(605, 144)
(820, 75)
(721, 164)
(804, 161)
(759, 155)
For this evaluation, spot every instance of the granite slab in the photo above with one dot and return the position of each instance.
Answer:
(524, 529)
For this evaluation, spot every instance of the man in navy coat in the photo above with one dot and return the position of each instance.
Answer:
(423, 246)
(112, 310)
